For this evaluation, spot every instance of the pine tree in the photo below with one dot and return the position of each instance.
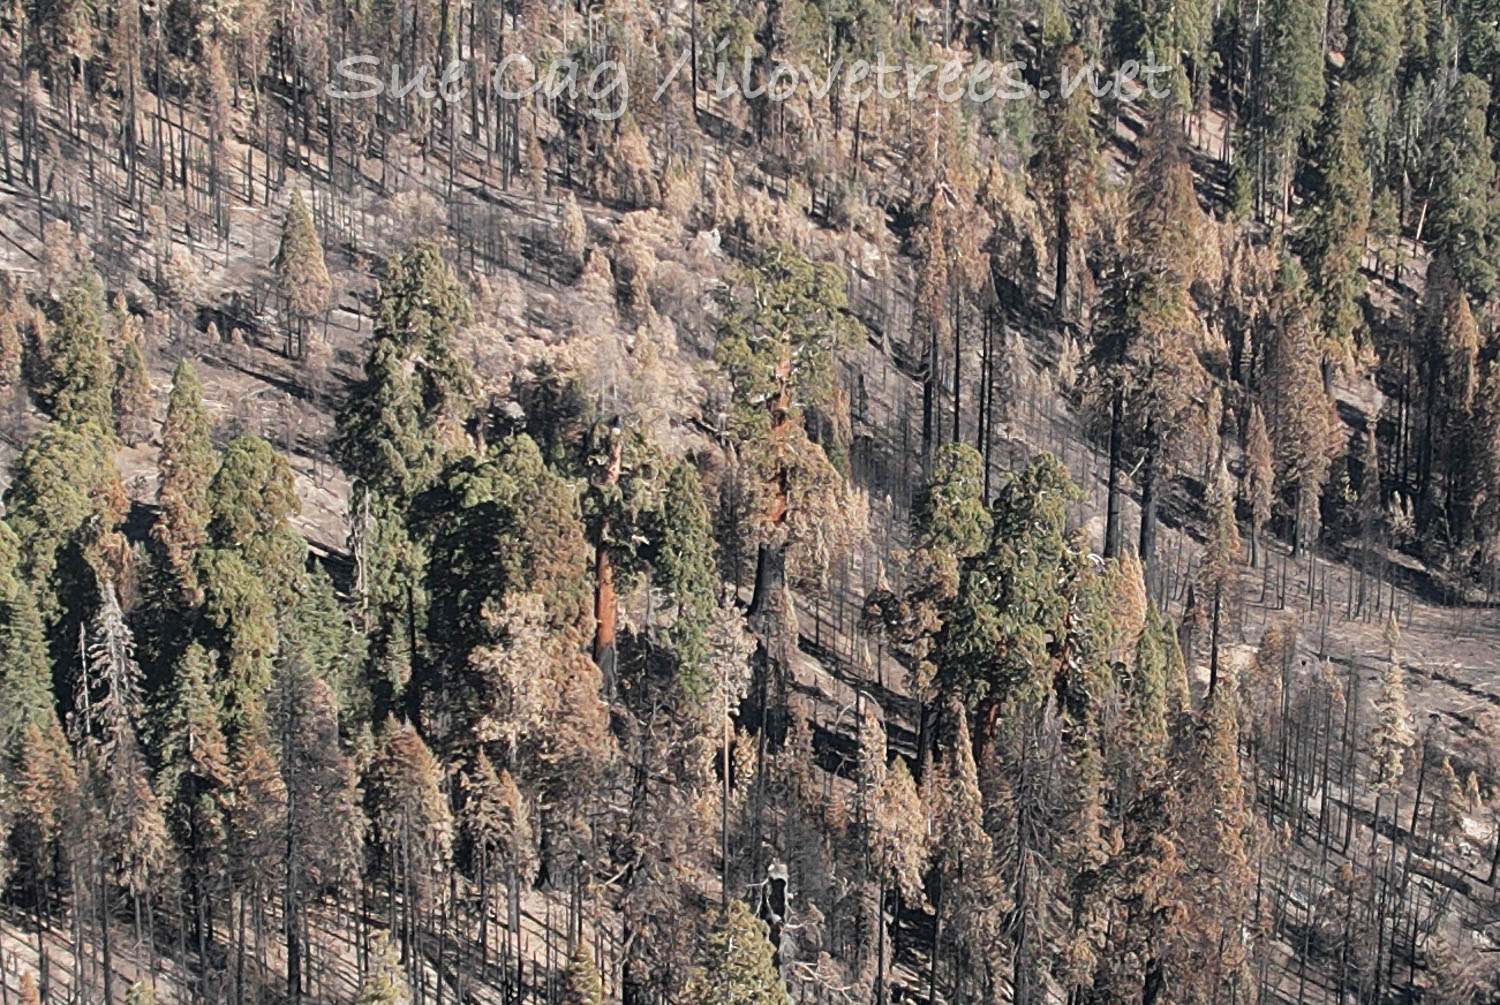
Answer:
(186, 464)
(1148, 335)
(396, 431)
(1459, 225)
(1260, 478)
(13, 331)
(25, 670)
(1451, 347)
(409, 820)
(64, 503)
(404, 416)
(1218, 822)
(120, 824)
(736, 964)
(299, 264)
(132, 387)
(583, 985)
(322, 827)
(898, 840)
(1334, 235)
(970, 901)
(950, 524)
(79, 372)
(249, 572)
(575, 233)
(385, 984)
(195, 776)
(683, 568)
(1293, 87)
(1067, 162)
(1218, 573)
(1391, 736)
(1451, 805)
(1484, 447)
(1299, 412)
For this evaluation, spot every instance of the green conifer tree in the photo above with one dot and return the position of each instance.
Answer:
(1294, 88)
(736, 964)
(25, 669)
(64, 504)
(186, 467)
(132, 390)
(582, 984)
(1460, 227)
(385, 984)
(300, 267)
(1148, 335)
(1334, 234)
(783, 328)
(79, 372)
(401, 420)
(683, 568)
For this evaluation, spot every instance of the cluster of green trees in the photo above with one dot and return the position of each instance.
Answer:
(231, 748)
(544, 676)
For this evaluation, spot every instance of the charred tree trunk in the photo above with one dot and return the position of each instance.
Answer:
(1112, 493)
(1148, 508)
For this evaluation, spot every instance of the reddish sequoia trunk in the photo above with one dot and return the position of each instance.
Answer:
(770, 559)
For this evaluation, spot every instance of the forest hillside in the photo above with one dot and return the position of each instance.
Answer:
(749, 501)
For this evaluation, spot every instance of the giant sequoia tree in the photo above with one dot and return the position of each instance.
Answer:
(782, 330)
(395, 432)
